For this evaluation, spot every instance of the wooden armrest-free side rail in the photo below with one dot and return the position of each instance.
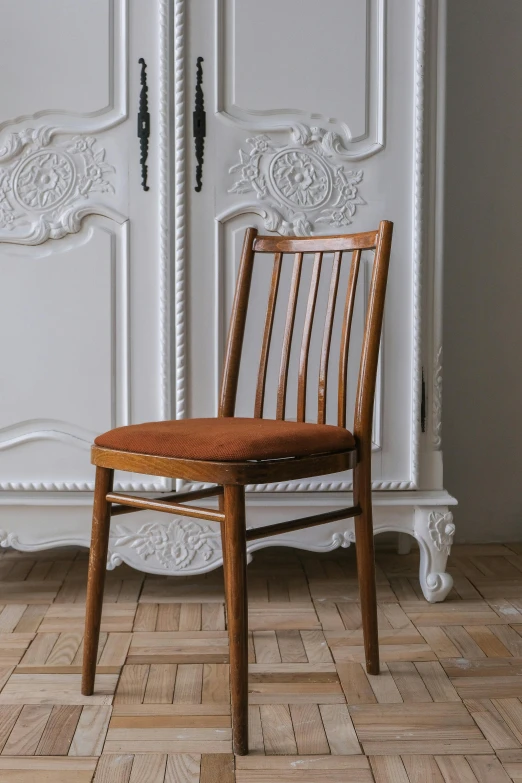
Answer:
(297, 524)
(129, 503)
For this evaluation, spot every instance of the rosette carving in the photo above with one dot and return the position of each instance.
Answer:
(46, 188)
(300, 184)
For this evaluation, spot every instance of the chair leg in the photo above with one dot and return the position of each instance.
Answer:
(366, 566)
(101, 518)
(235, 561)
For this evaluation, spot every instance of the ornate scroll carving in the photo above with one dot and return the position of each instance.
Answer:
(442, 530)
(301, 184)
(46, 188)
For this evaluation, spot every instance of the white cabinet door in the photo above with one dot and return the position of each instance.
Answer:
(83, 246)
(312, 127)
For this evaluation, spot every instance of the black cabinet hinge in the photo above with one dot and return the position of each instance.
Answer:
(423, 403)
(144, 124)
(199, 119)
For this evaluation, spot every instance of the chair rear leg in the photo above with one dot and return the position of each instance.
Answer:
(235, 560)
(366, 566)
(101, 518)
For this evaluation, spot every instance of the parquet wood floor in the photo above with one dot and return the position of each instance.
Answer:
(447, 707)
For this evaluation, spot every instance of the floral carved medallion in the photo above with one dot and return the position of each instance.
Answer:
(175, 544)
(46, 187)
(300, 179)
(43, 180)
(300, 184)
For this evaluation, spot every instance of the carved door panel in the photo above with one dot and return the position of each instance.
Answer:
(83, 246)
(310, 129)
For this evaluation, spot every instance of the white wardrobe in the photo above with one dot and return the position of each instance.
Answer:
(118, 251)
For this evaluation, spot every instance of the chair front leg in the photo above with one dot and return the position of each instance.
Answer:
(234, 563)
(366, 565)
(101, 519)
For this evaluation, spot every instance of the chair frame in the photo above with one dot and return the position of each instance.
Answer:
(232, 477)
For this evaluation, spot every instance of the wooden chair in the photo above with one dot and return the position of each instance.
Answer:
(232, 452)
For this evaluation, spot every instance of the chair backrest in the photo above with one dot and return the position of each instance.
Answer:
(380, 241)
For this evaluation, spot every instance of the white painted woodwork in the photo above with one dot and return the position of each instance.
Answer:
(83, 252)
(320, 119)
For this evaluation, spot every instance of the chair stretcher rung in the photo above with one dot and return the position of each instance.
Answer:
(297, 524)
(179, 497)
(163, 504)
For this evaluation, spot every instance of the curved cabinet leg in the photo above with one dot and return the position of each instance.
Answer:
(434, 530)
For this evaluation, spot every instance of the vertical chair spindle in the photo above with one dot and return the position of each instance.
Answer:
(287, 338)
(267, 336)
(327, 338)
(236, 334)
(345, 337)
(307, 334)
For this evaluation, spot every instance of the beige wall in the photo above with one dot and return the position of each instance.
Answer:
(483, 268)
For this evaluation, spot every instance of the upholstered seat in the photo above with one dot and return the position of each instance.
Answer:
(228, 439)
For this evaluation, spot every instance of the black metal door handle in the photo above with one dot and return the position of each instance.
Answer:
(144, 124)
(199, 125)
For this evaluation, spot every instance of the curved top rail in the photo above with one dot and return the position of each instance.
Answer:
(327, 244)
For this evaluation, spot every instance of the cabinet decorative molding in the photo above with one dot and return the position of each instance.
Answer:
(105, 117)
(46, 188)
(441, 530)
(437, 400)
(46, 429)
(369, 143)
(300, 184)
(343, 540)
(179, 198)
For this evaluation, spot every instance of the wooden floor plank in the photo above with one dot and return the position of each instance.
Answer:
(446, 707)
(339, 729)
(132, 684)
(217, 768)
(355, 685)
(409, 682)
(491, 723)
(309, 731)
(422, 769)
(115, 768)
(27, 731)
(8, 718)
(278, 731)
(388, 769)
(160, 683)
(216, 685)
(384, 687)
(90, 732)
(59, 731)
(436, 681)
(149, 768)
(291, 646)
(183, 768)
(488, 769)
(455, 769)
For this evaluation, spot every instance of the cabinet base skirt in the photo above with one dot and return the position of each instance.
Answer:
(159, 544)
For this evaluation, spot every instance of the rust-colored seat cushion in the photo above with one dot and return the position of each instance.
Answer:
(228, 439)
